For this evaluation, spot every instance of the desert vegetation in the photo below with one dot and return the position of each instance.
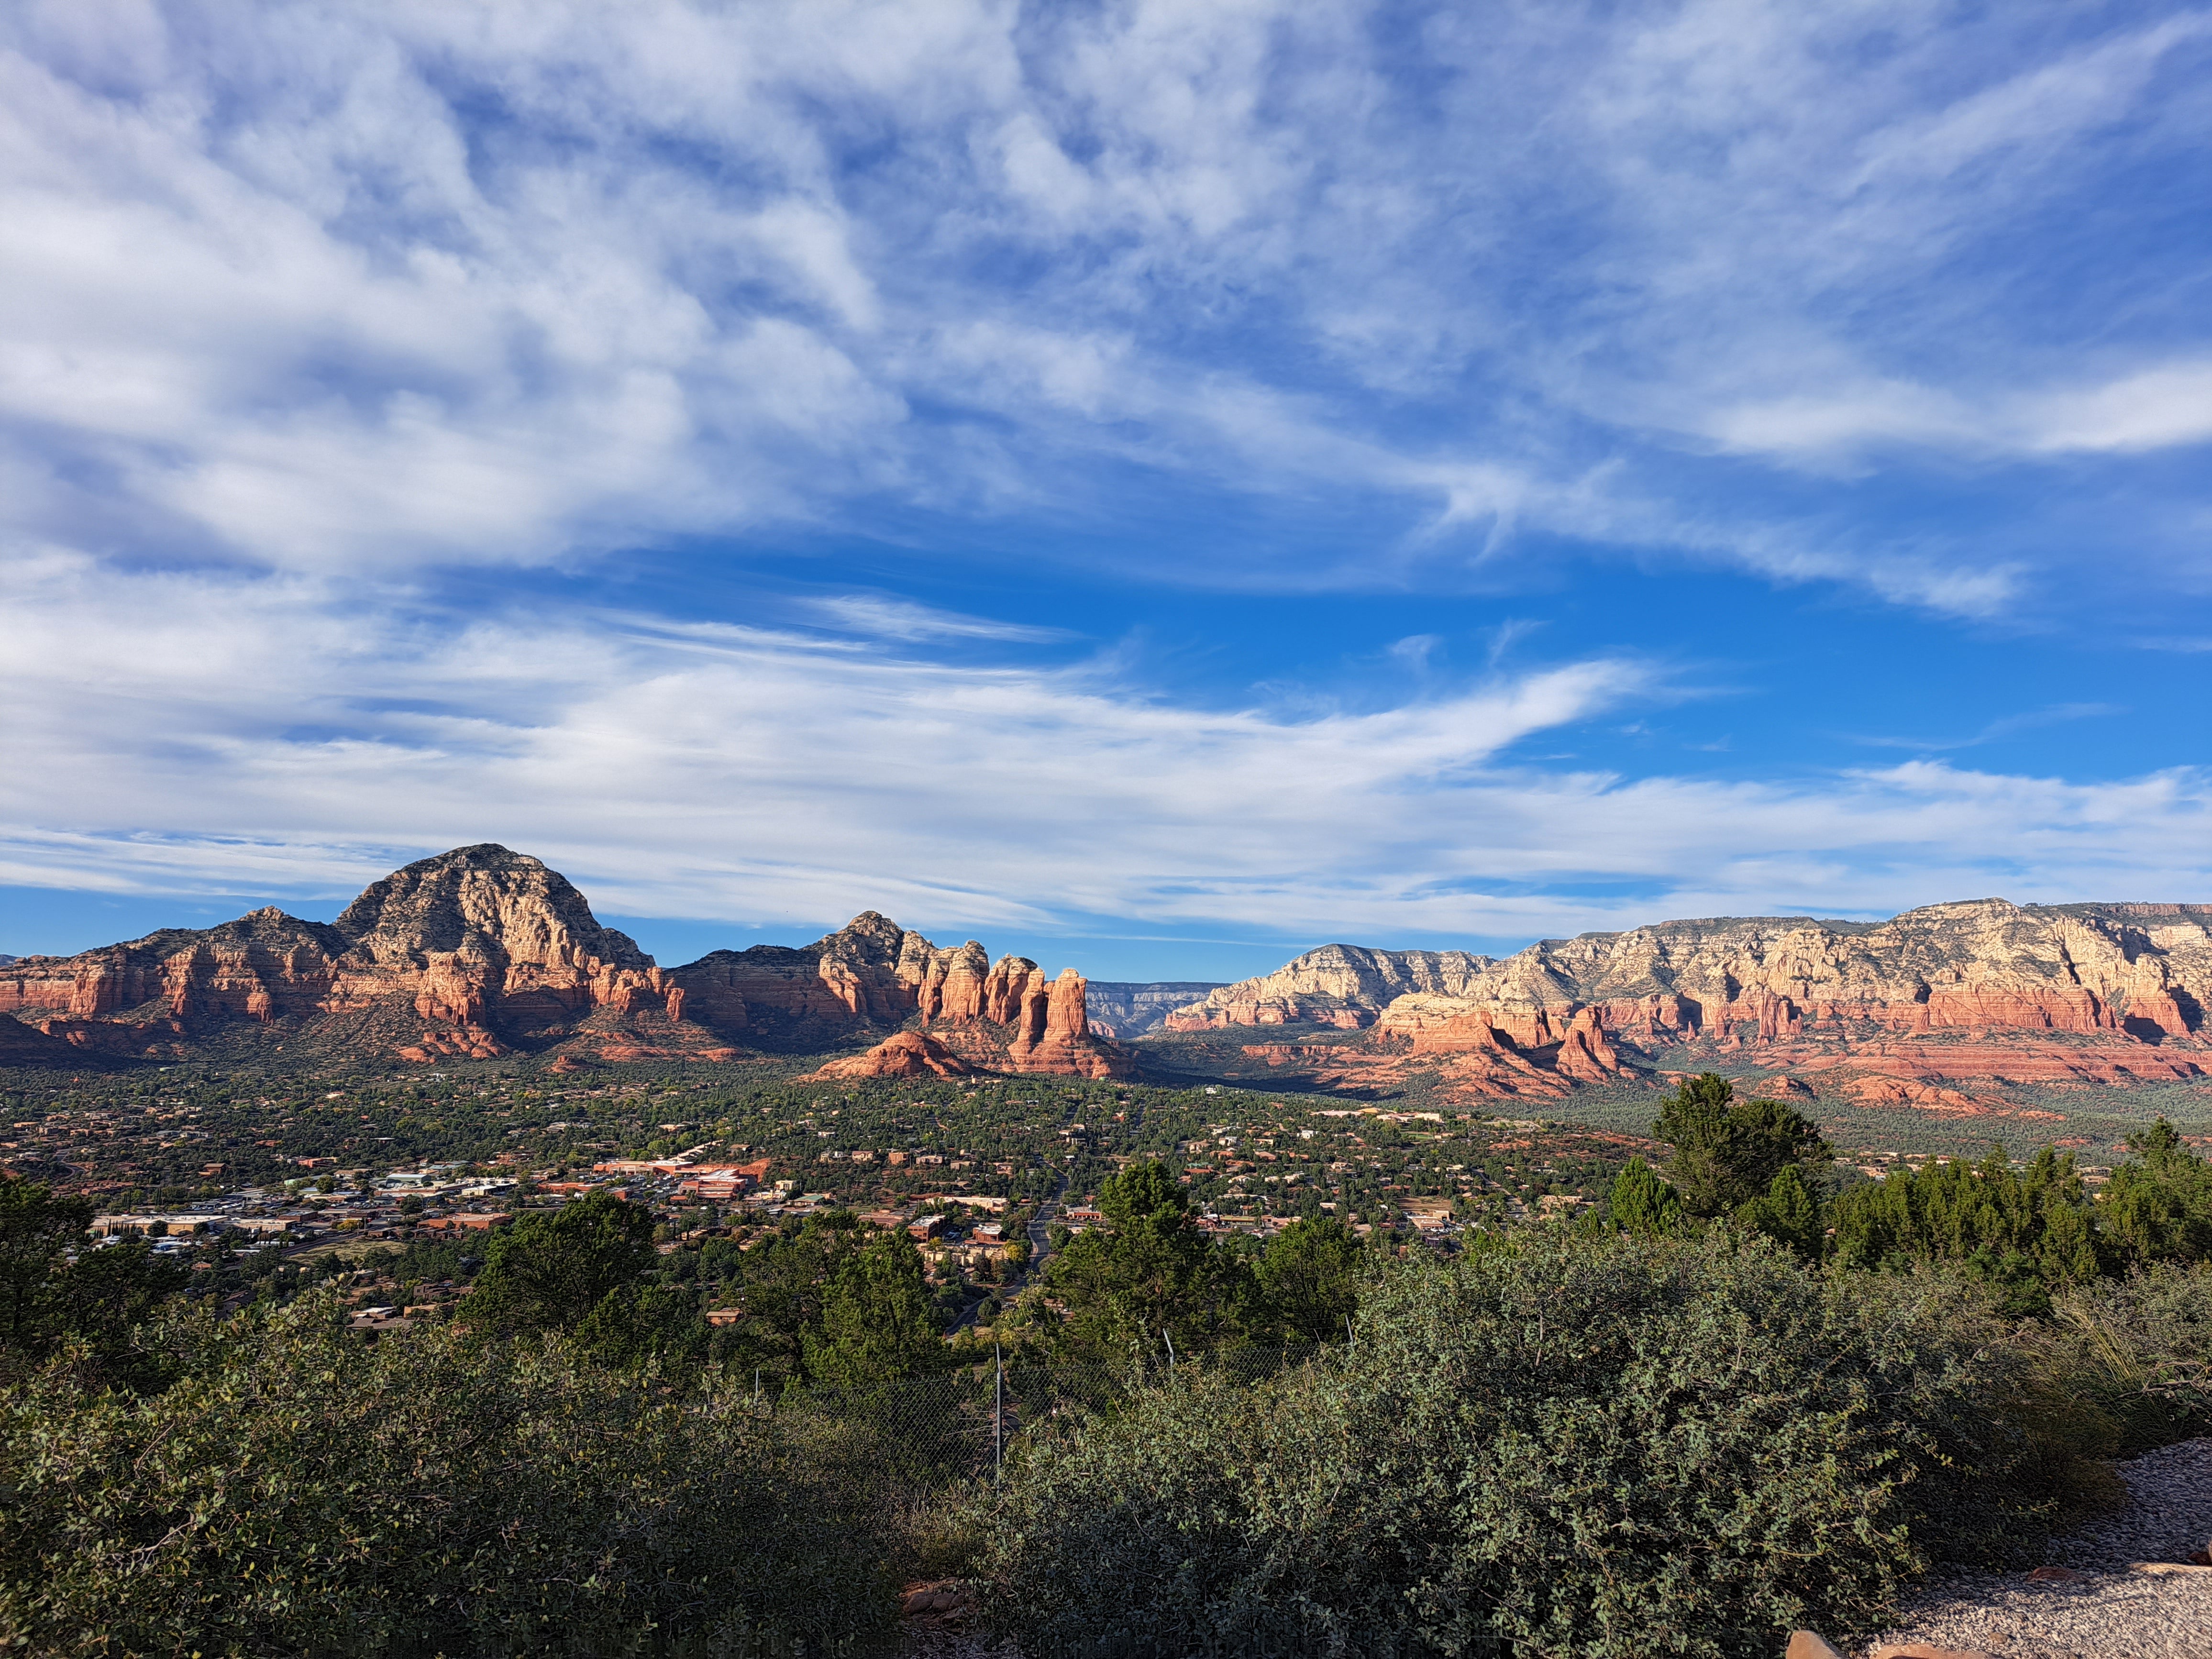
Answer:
(1736, 1396)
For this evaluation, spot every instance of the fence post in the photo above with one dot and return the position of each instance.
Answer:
(1348, 1338)
(756, 1385)
(1168, 1338)
(998, 1412)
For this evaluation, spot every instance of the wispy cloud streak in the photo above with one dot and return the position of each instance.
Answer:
(197, 734)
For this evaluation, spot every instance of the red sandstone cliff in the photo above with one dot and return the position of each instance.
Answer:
(481, 950)
(466, 953)
(1008, 1019)
(993, 1017)
(1981, 963)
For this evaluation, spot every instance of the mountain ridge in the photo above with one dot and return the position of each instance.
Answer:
(480, 951)
(1927, 1007)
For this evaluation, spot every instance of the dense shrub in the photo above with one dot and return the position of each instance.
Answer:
(1581, 1446)
(297, 1491)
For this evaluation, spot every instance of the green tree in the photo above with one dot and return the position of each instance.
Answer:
(1727, 1151)
(1640, 1202)
(2159, 1206)
(2069, 1252)
(1310, 1279)
(550, 1271)
(1789, 1212)
(45, 1298)
(38, 1231)
(2025, 1231)
(1148, 1270)
(878, 1321)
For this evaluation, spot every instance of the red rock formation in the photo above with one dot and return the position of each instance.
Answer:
(1051, 1032)
(1895, 1092)
(2052, 1008)
(953, 985)
(258, 968)
(1467, 1034)
(482, 951)
(2157, 1010)
(2004, 994)
(1584, 1054)
(908, 1054)
(471, 944)
(1345, 986)
(869, 970)
(1528, 1026)
(2008, 1059)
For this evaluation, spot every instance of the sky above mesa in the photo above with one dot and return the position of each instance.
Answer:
(1154, 487)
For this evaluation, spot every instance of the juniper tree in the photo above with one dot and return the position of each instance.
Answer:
(1727, 1151)
(1639, 1202)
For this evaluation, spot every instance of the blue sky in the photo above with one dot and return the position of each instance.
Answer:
(1151, 487)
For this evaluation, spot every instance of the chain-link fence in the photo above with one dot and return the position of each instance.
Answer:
(961, 1426)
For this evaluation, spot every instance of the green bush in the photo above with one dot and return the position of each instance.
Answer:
(1581, 1446)
(55, 1285)
(298, 1492)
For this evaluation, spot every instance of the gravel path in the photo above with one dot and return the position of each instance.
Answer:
(2109, 1612)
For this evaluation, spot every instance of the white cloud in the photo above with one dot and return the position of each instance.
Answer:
(2160, 408)
(886, 616)
(320, 299)
(183, 734)
(328, 286)
(2155, 408)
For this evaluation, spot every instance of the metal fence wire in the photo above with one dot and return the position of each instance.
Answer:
(961, 1426)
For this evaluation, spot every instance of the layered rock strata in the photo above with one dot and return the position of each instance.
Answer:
(1339, 985)
(1982, 990)
(2143, 967)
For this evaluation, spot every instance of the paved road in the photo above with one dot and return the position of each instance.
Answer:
(1040, 1227)
(1040, 1235)
(1040, 1246)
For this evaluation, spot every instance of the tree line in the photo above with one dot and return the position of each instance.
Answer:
(2024, 1229)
